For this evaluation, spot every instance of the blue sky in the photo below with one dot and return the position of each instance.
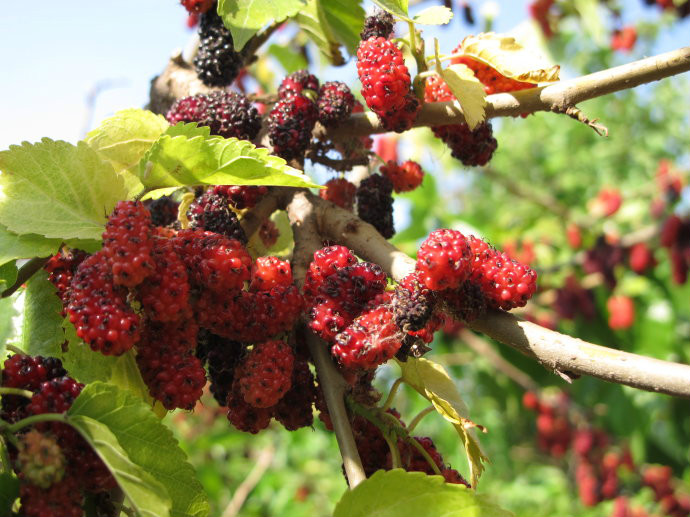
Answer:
(54, 53)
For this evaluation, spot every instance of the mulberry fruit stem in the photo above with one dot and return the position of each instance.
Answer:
(16, 391)
(4, 457)
(36, 419)
(392, 393)
(415, 443)
(419, 417)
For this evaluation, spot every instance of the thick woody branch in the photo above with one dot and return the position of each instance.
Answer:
(562, 353)
(307, 240)
(555, 351)
(557, 97)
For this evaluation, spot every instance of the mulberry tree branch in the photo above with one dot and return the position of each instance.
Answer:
(302, 217)
(555, 351)
(556, 97)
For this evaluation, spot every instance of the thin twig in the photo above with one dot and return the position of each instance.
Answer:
(25, 273)
(263, 462)
(420, 416)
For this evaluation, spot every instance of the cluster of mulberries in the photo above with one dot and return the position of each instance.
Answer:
(302, 101)
(469, 275)
(200, 300)
(675, 237)
(227, 114)
(348, 308)
(55, 466)
(473, 147)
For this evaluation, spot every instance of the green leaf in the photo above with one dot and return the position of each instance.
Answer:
(312, 20)
(346, 20)
(244, 18)
(126, 375)
(177, 161)
(42, 332)
(395, 492)
(291, 60)
(8, 275)
(58, 190)
(190, 130)
(147, 442)
(144, 493)
(82, 363)
(9, 492)
(13, 246)
(395, 7)
(468, 90)
(434, 15)
(432, 381)
(124, 138)
(7, 312)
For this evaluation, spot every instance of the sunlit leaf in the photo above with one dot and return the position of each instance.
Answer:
(509, 58)
(394, 493)
(432, 381)
(434, 15)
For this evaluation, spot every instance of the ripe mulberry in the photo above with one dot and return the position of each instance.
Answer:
(340, 192)
(99, 309)
(378, 25)
(216, 62)
(227, 114)
(163, 210)
(128, 242)
(265, 375)
(295, 409)
(370, 340)
(214, 261)
(327, 261)
(270, 272)
(61, 499)
(296, 82)
(412, 307)
(222, 358)
(384, 76)
(335, 103)
(244, 416)
(290, 125)
(211, 212)
(241, 196)
(444, 260)
(375, 203)
(405, 177)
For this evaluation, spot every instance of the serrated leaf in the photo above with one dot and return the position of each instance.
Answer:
(147, 442)
(125, 375)
(397, 8)
(57, 190)
(434, 15)
(177, 161)
(469, 91)
(509, 58)
(312, 20)
(9, 492)
(432, 381)
(346, 20)
(14, 246)
(81, 362)
(244, 18)
(147, 497)
(189, 129)
(42, 323)
(124, 138)
(396, 492)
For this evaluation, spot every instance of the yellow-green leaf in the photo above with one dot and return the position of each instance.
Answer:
(57, 190)
(434, 15)
(396, 493)
(510, 58)
(124, 138)
(469, 91)
(175, 161)
(432, 381)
